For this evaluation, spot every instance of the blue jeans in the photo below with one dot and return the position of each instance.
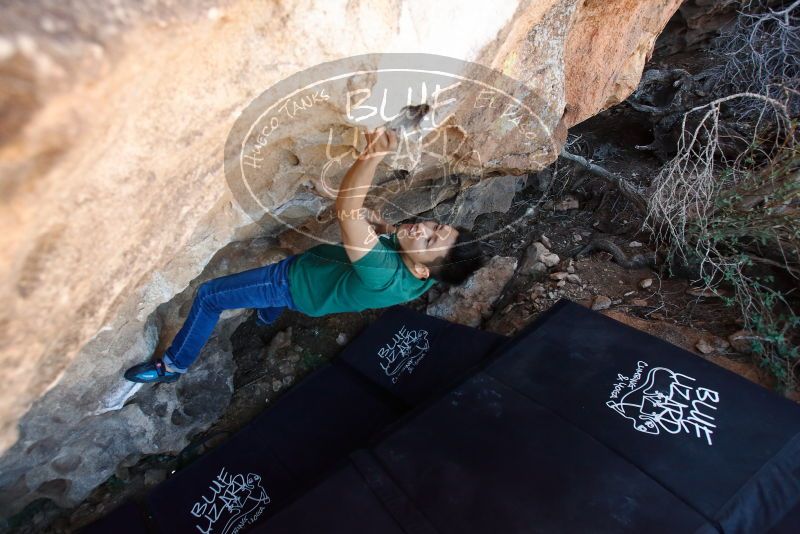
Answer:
(264, 288)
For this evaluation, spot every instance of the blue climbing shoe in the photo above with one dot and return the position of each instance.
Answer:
(154, 371)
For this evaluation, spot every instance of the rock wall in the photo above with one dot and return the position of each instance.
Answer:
(113, 123)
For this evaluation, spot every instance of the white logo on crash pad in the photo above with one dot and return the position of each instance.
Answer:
(230, 504)
(404, 352)
(658, 399)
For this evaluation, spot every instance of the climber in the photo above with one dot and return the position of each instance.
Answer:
(376, 266)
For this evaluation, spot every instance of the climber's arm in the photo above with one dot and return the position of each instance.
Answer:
(358, 235)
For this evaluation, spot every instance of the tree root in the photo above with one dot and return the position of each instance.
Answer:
(604, 244)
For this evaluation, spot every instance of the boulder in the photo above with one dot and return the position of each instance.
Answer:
(116, 203)
(487, 196)
(470, 302)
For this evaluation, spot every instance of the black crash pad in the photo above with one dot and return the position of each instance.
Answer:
(488, 459)
(258, 469)
(580, 424)
(414, 356)
(577, 424)
(727, 447)
(315, 425)
(485, 459)
(342, 504)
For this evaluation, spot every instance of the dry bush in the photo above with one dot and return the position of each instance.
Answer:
(729, 201)
(685, 191)
(731, 216)
(760, 53)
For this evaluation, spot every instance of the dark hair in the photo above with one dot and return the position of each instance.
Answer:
(462, 259)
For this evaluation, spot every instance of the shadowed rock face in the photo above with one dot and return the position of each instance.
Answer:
(112, 130)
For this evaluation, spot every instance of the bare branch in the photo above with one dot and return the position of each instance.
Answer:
(628, 189)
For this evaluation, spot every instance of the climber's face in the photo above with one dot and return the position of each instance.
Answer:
(426, 241)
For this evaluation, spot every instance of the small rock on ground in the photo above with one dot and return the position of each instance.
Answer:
(568, 203)
(714, 344)
(601, 302)
(741, 341)
(546, 241)
(279, 342)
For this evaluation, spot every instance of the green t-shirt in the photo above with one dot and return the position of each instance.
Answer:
(323, 280)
